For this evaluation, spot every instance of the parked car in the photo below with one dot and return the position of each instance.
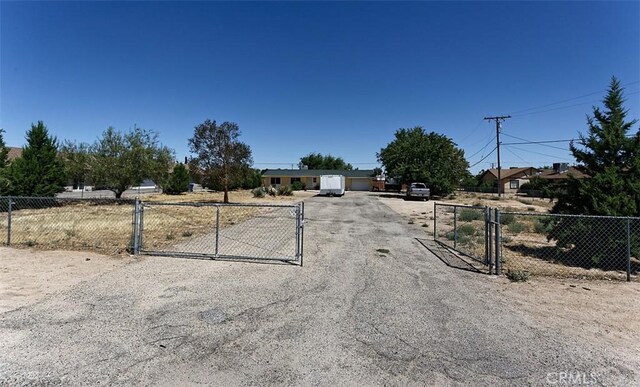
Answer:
(418, 191)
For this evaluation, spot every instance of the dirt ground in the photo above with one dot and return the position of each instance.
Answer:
(368, 318)
(28, 276)
(608, 309)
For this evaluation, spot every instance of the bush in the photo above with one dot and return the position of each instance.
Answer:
(272, 191)
(541, 226)
(466, 229)
(507, 219)
(285, 190)
(467, 215)
(518, 275)
(259, 192)
(297, 186)
(178, 181)
(517, 227)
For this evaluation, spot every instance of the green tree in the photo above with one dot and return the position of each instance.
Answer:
(76, 159)
(431, 158)
(39, 171)
(221, 158)
(609, 156)
(4, 154)
(318, 161)
(4, 151)
(118, 160)
(178, 181)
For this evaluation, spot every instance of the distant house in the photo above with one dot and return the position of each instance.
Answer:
(510, 179)
(561, 171)
(14, 153)
(513, 178)
(356, 180)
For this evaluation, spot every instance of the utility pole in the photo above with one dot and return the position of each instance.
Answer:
(498, 120)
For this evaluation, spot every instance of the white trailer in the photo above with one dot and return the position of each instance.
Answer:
(332, 185)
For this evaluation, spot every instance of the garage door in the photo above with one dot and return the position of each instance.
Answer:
(360, 185)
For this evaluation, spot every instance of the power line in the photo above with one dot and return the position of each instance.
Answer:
(484, 158)
(532, 142)
(567, 107)
(538, 153)
(569, 99)
(521, 159)
(483, 148)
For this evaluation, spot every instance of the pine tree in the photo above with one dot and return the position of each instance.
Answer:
(4, 151)
(609, 157)
(5, 183)
(178, 181)
(39, 171)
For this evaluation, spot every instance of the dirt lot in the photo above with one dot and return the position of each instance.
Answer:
(28, 276)
(371, 306)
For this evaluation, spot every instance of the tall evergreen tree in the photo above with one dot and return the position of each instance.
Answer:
(609, 156)
(5, 183)
(39, 171)
(4, 151)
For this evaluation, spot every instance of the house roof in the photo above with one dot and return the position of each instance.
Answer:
(507, 173)
(13, 153)
(317, 172)
(553, 175)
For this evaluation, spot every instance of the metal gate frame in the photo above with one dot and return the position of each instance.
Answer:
(492, 239)
(137, 240)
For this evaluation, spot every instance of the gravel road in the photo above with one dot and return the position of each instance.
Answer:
(350, 316)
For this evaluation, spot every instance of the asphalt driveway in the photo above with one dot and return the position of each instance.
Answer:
(351, 315)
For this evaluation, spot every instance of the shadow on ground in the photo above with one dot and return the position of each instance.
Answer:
(451, 258)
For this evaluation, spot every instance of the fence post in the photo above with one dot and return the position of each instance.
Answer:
(489, 242)
(302, 235)
(141, 228)
(628, 249)
(134, 248)
(297, 231)
(487, 260)
(9, 222)
(498, 247)
(455, 227)
(217, 228)
(435, 220)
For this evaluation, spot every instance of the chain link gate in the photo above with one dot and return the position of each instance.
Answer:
(220, 231)
(471, 231)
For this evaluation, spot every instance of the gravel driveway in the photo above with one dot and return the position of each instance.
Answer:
(351, 315)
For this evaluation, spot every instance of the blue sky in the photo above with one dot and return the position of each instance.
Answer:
(329, 77)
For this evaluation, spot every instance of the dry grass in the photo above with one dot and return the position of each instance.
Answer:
(107, 228)
(506, 203)
(239, 196)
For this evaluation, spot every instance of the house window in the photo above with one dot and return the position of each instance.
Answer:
(275, 181)
(315, 179)
(514, 184)
(294, 179)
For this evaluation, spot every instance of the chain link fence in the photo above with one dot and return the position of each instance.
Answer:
(115, 226)
(222, 230)
(570, 245)
(597, 247)
(463, 228)
(103, 225)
